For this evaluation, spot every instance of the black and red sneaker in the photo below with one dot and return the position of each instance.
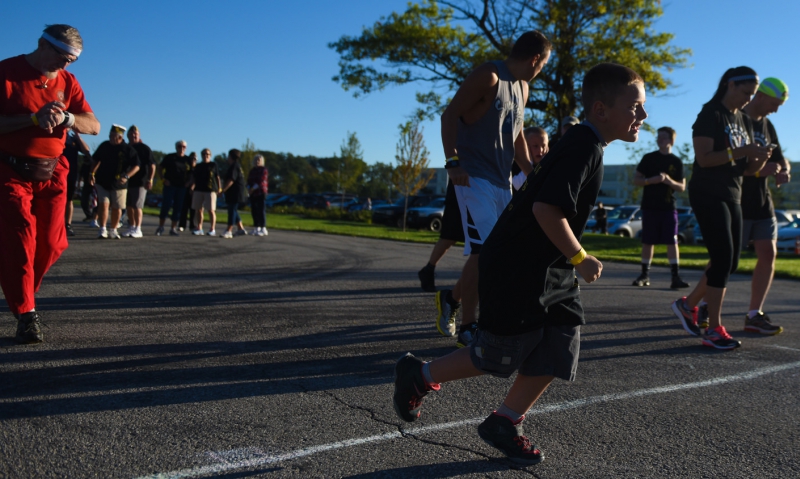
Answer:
(688, 316)
(499, 432)
(410, 387)
(720, 339)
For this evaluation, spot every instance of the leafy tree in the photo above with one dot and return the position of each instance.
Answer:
(377, 182)
(345, 171)
(440, 43)
(411, 173)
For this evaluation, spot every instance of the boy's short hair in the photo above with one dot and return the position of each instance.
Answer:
(535, 129)
(530, 44)
(605, 82)
(670, 131)
(235, 154)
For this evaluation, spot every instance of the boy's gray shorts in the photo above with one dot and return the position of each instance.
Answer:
(549, 351)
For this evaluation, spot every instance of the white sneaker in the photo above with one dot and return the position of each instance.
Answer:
(129, 233)
(198, 233)
(212, 233)
(260, 232)
(103, 234)
(227, 235)
(264, 230)
(137, 233)
(114, 234)
(241, 232)
(94, 224)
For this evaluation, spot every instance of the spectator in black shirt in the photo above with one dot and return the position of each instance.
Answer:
(139, 183)
(661, 174)
(235, 190)
(174, 172)
(114, 163)
(187, 212)
(73, 147)
(759, 223)
(205, 182)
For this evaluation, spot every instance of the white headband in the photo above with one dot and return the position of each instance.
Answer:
(67, 48)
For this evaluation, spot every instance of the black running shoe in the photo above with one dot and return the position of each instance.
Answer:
(678, 283)
(426, 279)
(410, 387)
(28, 329)
(499, 432)
(70, 231)
(687, 316)
(720, 339)
(642, 280)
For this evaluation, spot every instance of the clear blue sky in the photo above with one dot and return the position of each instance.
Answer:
(218, 73)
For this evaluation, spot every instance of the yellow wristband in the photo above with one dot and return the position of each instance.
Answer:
(730, 155)
(35, 119)
(448, 160)
(758, 174)
(578, 258)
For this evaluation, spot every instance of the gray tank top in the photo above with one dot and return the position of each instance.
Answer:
(486, 147)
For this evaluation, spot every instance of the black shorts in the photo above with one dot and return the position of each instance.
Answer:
(451, 220)
(72, 179)
(548, 351)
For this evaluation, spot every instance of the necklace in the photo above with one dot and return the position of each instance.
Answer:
(43, 85)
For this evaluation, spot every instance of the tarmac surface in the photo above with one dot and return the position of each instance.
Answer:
(273, 358)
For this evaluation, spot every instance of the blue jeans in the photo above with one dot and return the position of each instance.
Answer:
(172, 198)
(233, 214)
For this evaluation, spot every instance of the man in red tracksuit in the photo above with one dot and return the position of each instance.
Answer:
(39, 101)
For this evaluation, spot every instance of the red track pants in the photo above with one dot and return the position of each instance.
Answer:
(32, 232)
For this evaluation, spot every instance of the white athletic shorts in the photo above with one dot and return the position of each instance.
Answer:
(481, 204)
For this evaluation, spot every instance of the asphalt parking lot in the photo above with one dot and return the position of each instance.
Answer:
(272, 357)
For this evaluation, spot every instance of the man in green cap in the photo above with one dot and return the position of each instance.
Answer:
(758, 214)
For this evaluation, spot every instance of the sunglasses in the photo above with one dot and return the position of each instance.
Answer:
(62, 55)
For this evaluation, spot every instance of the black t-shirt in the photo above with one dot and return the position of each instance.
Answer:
(115, 161)
(236, 193)
(71, 152)
(756, 198)
(176, 169)
(145, 160)
(525, 281)
(205, 177)
(729, 130)
(660, 197)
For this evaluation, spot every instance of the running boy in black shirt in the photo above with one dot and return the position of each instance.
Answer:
(529, 296)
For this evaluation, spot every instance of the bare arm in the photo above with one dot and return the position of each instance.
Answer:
(555, 226)
(86, 123)
(706, 156)
(521, 153)
(470, 94)
(678, 186)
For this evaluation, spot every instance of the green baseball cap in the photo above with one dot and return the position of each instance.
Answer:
(775, 88)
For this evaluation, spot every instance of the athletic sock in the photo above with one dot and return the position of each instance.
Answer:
(504, 410)
(753, 313)
(646, 268)
(674, 266)
(452, 302)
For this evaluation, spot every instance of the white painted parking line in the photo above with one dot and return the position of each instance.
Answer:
(785, 347)
(259, 459)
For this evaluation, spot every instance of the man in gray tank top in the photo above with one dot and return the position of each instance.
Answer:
(481, 137)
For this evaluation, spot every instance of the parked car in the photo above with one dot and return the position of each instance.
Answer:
(625, 221)
(684, 210)
(428, 217)
(153, 200)
(787, 236)
(275, 198)
(686, 225)
(784, 218)
(392, 214)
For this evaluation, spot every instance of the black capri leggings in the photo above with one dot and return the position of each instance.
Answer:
(721, 224)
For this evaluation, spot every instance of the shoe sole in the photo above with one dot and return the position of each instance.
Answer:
(680, 316)
(441, 315)
(515, 460)
(641, 283)
(753, 329)
(711, 344)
